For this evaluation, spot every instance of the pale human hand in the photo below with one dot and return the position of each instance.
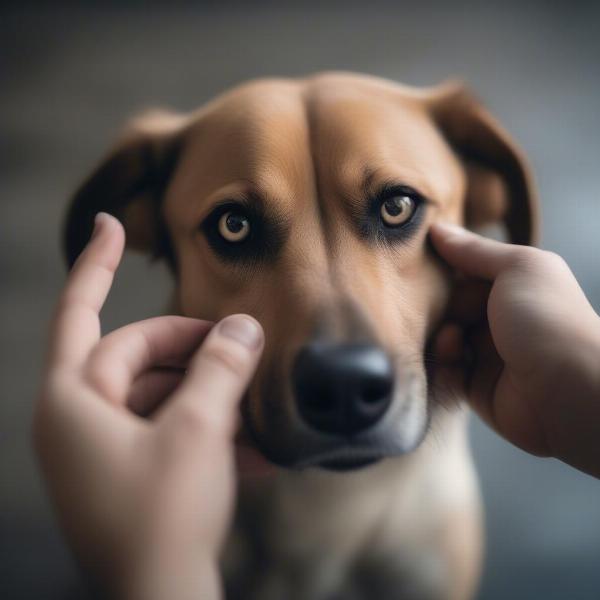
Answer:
(534, 345)
(138, 457)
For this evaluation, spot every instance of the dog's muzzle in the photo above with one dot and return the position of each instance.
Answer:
(342, 406)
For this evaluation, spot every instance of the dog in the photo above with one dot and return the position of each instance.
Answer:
(306, 204)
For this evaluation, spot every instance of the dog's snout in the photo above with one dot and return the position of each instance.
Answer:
(342, 389)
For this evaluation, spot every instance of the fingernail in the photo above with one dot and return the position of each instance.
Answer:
(243, 330)
(98, 220)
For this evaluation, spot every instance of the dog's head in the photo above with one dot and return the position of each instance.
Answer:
(306, 204)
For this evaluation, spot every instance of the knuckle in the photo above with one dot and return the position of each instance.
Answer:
(526, 257)
(554, 260)
(535, 260)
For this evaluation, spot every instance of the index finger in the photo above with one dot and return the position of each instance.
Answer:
(75, 328)
(471, 253)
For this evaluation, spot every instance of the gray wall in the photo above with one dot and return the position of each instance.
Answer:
(69, 78)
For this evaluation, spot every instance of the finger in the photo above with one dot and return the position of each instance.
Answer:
(151, 388)
(76, 325)
(494, 397)
(206, 402)
(487, 369)
(126, 353)
(473, 254)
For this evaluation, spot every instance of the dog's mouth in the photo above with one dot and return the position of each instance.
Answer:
(284, 442)
(257, 458)
(349, 456)
(348, 464)
(252, 462)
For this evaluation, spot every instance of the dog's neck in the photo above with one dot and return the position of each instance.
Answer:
(399, 501)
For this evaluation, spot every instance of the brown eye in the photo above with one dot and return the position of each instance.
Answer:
(234, 226)
(397, 210)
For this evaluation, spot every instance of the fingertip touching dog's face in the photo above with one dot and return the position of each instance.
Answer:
(306, 203)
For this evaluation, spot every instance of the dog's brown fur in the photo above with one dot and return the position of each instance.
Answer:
(311, 151)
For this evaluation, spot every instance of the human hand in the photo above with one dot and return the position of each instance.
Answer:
(535, 345)
(144, 502)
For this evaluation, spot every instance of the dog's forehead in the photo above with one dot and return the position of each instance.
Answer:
(255, 134)
(294, 136)
(350, 101)
(366, 125)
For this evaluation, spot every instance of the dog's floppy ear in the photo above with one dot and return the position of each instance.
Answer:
(500, 189)
(129, 183)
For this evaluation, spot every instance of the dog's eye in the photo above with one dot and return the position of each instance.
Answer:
(394, 214)
(234, 226)
(397, 210)
(240, 232)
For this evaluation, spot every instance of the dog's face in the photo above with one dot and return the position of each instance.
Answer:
(306, 204)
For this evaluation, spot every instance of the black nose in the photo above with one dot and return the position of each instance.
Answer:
(342, 389)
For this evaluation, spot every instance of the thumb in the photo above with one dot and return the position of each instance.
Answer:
(207, 400)
(473, 254)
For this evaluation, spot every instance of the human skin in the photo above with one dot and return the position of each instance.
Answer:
(534, 339)
(144, 502)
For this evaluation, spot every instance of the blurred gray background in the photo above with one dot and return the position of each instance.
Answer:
(69, 77)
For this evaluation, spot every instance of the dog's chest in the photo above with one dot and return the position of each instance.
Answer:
(372, 573)
(308, 546)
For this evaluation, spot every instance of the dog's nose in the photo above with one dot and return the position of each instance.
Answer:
(342, 389)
